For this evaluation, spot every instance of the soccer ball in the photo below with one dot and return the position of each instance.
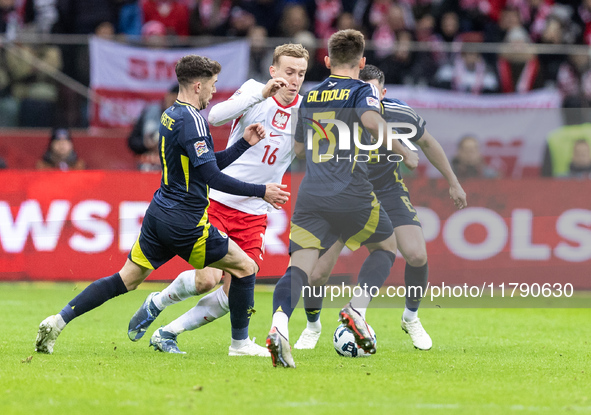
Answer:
(344, 342)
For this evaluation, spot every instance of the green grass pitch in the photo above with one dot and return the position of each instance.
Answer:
(484, 361)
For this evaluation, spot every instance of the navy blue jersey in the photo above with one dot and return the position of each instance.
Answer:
(383, 173)
(185, 143)
(331, 170)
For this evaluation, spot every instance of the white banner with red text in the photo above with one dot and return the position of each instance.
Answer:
(125, 77)
(69, 226)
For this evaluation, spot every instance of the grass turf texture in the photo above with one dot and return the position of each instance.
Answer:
(484, 361)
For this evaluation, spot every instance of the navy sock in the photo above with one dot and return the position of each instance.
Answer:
(313, 303)
(375, 269)
(415, 277)
(93, 296)
(241, 303)
(288, 289)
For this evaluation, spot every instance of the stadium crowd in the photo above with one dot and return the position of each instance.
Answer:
(31, 98)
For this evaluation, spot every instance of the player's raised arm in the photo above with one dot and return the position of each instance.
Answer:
(248, 95)
(252, 135)
(214, 178)
(435, 154)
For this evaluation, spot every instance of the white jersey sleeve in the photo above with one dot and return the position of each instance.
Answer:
(248, 95)
(265, 162)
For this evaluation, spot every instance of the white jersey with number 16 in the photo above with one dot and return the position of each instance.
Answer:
(267, 161)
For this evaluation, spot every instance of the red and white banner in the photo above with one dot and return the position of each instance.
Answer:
(125, 77)
(81, 225)
(511, 128)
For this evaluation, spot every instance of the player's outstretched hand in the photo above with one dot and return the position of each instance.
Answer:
(411, 159)
(254, 133)
(457, 194)
(275, 194)
(273, 85)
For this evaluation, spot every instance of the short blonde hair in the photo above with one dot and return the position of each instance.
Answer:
(295, 50)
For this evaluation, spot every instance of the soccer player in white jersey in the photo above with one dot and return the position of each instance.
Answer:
(244, 219)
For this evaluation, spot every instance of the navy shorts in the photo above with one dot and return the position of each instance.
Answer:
(160, 241)
(397, 205)
(320, 229)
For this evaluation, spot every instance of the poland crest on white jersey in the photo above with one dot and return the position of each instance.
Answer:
(265, 162)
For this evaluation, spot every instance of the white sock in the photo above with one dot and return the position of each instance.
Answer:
(281, 321)
(237, 344)
(408, 315)
(211, 307)
(60, 321)
(314, 326)
(180, 289)
(361, 302)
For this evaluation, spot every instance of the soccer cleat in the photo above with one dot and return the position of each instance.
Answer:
(418, 335)
(165, 341)
(280, 349)
(351, 319)
(250, 349)
(47, 335)
(307, 340)
(142, 319)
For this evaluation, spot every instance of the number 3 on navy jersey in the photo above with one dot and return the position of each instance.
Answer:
(272, 157)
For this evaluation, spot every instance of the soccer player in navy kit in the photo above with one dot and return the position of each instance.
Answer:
(335, 198)
(176, 221)
(395, 198)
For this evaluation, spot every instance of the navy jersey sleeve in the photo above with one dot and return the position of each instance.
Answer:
(366, 98)
(299, 130)
(197, 139)
(398, 111)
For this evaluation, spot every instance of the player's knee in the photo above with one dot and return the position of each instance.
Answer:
(205, 282)
(417, 259)
(318, 278)
(247, 267)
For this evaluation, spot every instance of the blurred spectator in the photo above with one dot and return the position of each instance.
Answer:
(294, 20)
(42, 14)
(173, 14)
(143, 139)
(550, 64)
(558, 153)
(580, 165)
(317, 71)
(533, 14)
(582, 18)
(3, 164)
(447, 32)
(468, 72)
(518, 66)
(398, 18)
(60, 154)
(261, 57)
(241, 21)
(8, 104)
(84, 16)
(468, 162)
(399, 66)
(154, 34)
(10, 19)
(574, 81)
(210, 17)
(35, 90)
(105, 30)
(130, 18)
(267, 13)
(508, 19)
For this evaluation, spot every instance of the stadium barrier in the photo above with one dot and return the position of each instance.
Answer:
(80, 225)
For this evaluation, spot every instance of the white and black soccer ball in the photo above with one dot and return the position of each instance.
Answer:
(344, 342)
